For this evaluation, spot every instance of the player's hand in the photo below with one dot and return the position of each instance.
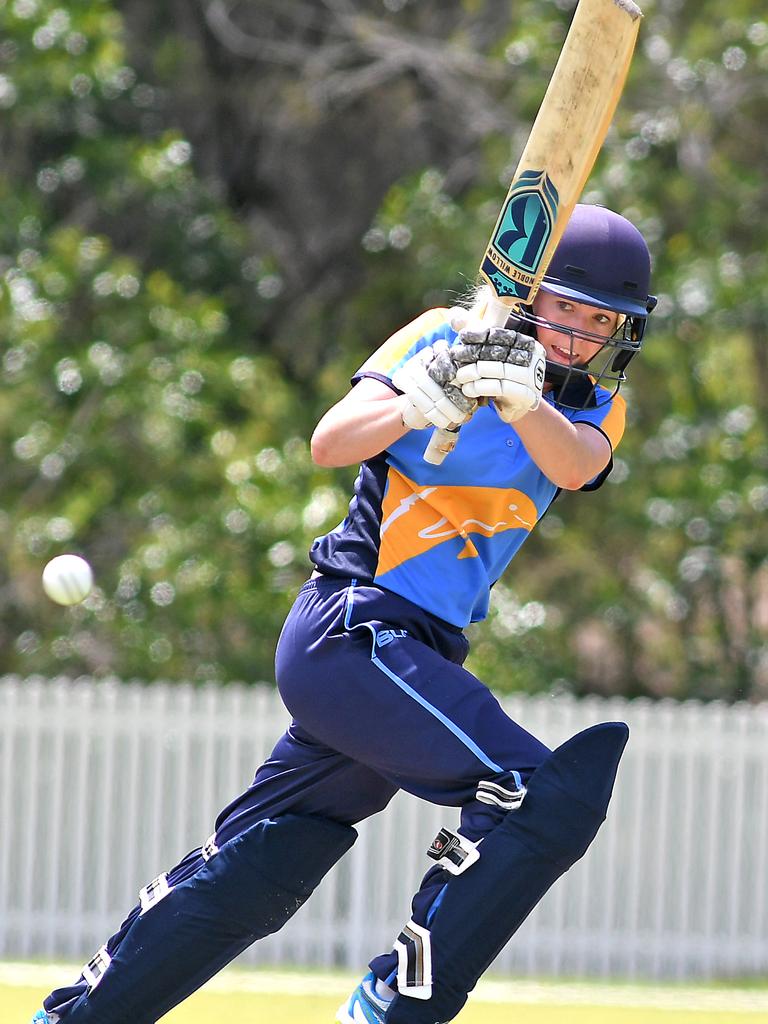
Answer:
(431, 396)
(503, 365)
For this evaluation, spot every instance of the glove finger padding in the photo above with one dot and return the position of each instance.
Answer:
(515, 386)
(430, 397)
(487, 369)
(496, 344)
(511, 398)
(483, 387)
(441, 368)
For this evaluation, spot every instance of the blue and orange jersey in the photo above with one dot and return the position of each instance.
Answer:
(441, 536)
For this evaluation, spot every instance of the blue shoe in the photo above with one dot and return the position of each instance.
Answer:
(363, 1006)
(41, 1017)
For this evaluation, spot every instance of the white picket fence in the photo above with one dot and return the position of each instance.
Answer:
(103, 785)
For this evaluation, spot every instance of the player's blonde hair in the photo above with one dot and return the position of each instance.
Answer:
(476, 301)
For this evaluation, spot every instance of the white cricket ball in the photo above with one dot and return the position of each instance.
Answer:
(67, 579)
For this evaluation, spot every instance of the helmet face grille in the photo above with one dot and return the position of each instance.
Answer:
(586, 385)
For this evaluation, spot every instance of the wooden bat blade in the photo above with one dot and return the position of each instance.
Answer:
(565, 140)
(566, 137)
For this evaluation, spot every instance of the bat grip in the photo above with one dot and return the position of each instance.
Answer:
(442, 443)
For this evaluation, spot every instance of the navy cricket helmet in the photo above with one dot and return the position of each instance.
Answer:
(601, 260)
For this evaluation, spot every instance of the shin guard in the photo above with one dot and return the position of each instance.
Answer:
(480, 909)
(183, 933)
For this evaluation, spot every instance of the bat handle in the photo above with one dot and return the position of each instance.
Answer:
(442, 443)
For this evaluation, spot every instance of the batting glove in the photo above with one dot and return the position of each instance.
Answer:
(431, 396)
(503, 365)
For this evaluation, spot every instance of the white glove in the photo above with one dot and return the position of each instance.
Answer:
(503, 365)
(430, 396)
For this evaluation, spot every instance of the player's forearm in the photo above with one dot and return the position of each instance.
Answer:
(352, 431)
(568, 454)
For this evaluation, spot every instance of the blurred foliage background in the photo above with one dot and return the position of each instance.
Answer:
(213, 211)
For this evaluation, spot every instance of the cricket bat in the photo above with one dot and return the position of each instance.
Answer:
(566, 137)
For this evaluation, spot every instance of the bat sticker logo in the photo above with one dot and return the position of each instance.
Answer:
(521, 235)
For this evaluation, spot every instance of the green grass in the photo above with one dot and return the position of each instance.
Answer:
(219, 1006)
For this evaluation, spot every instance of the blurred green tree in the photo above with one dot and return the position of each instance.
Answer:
(143, 423)
(212, 213)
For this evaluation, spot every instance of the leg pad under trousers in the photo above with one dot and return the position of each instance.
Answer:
(480, 909)
(247, 890)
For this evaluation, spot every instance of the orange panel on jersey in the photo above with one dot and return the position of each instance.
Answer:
(613, 424)
(417, 518)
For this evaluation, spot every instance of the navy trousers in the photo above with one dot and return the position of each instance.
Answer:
(380, 702)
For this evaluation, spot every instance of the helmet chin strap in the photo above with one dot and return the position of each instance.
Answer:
(558, 374)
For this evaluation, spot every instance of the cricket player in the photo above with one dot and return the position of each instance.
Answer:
(369, 661)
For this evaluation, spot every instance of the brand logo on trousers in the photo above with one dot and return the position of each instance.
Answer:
(386, 636)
